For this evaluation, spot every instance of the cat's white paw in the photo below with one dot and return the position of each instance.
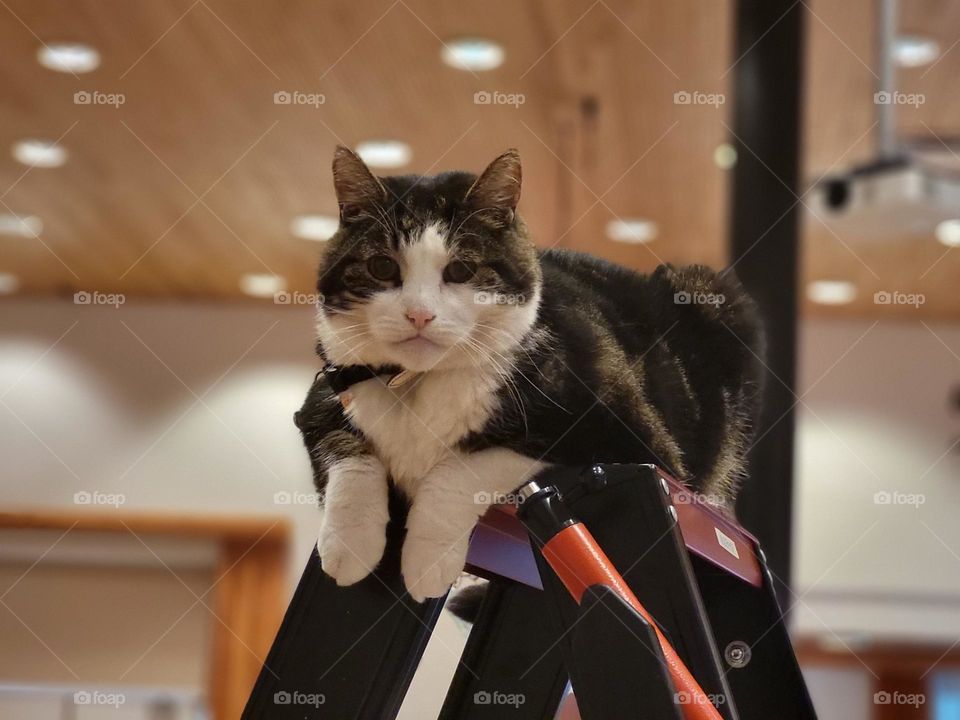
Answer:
(429, 567)
(349, 554)
(354, 532)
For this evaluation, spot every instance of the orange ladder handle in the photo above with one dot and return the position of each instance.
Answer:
(578, 561)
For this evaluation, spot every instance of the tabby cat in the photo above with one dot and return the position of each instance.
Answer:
(462, 361)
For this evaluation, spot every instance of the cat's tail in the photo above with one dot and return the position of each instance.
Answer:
(465, 604)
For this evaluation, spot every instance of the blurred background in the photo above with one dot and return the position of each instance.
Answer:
(165, 194)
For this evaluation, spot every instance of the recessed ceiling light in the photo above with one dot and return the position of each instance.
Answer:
(385, 153)
(633, 231)
(314, 227)
(39, 153)
(472, 54)
(20, 225)
(262, 284)
(8, 283)
(948, 233)
(831, 292)
(69, 57)
(725, 156)
(915, 51)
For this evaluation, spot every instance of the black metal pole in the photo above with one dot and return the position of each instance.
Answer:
(764, 235)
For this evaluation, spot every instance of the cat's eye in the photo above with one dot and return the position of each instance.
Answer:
(459, 271)
(383, 267)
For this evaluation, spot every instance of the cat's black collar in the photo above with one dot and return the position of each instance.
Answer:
(340, 378)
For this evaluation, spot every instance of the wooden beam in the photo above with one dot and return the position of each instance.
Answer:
(249, 605)
(224, 527)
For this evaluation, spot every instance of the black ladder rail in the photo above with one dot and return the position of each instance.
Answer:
(346, 653)
(512, 665)
(612, 645)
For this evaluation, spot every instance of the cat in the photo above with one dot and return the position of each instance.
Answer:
(462, 361)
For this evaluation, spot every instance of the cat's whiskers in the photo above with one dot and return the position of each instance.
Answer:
(519, 346)
(349, 327)
(341, 340)
(354, 351)
(504, 375)
(520, 372)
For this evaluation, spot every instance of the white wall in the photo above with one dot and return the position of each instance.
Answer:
(876, 418)
(840, 694)
(176, 407)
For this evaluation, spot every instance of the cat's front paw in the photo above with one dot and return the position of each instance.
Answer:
(354, 532)
(349, 554)
(429, 567)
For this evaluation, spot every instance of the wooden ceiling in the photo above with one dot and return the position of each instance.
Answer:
(193, 180)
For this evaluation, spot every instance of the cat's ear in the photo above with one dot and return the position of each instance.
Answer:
(498, 188)
(355, 185)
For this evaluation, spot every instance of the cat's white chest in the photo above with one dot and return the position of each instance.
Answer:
(414, 426)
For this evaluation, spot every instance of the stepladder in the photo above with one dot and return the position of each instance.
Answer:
(538, 649)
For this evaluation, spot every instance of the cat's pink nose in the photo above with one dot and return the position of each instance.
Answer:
(420, 318)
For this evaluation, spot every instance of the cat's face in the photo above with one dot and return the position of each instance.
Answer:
(427, 272)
